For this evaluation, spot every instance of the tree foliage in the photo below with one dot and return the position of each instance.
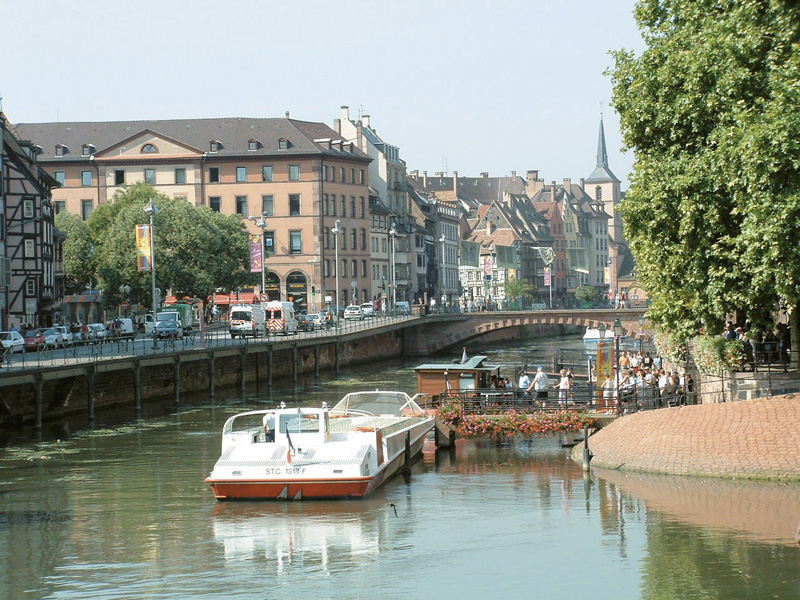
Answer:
(79, 264)
(518, 288)
(710, 111)
(196, 250)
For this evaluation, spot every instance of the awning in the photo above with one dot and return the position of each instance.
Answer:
(240, 298)
(75, 298)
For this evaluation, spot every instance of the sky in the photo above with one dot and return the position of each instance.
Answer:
(467, 86)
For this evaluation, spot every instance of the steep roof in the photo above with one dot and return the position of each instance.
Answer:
(601, 173)
(233, 134)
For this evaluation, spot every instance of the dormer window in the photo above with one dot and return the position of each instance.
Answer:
(149, 149)
(87, 149)
(61, 150)
(283, 144)
(213, 146)
(253, 144)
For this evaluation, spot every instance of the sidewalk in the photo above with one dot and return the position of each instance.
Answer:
(752, 439)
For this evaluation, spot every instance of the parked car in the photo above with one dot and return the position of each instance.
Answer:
(123, 329)
(52, 338)
(315, 321)
(303, 324)
(12, 340)
(368, 309)
(353, 313)
(99, 333)
(66, 334)
(169, 328)
(34, 340)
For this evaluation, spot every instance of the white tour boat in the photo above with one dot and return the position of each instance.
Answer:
(343, 452)
(592, 335)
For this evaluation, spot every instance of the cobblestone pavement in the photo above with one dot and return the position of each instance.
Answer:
(749, 439)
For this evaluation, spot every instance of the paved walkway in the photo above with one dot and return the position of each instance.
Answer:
(750, 439)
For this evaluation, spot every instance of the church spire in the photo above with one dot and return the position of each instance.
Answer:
(602, 155)
(601, 173)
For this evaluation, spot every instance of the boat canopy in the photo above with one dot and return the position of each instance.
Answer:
(379, 403)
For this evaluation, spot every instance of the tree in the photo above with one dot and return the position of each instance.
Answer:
(79, 265)
(196, 250)
(710, 111)
(586, 293)
(518, 288)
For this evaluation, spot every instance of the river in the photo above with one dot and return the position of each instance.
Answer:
(121, 511)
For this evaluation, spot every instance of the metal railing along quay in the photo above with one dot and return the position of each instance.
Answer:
(217, 336)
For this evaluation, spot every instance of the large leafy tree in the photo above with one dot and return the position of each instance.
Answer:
(79, 264)
(197, 250)
(710, 109)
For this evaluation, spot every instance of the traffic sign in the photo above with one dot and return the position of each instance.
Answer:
(264, 297)
(125, 305)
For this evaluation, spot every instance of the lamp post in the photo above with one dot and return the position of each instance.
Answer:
(124, 290)
(336, 231)
(153, 211)
(442, 241)
(601, 343)
(641, 334)
(313, 263)
(393, 280)
(262, 225)
(617, 335)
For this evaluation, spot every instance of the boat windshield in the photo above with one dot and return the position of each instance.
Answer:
(379, 403)
(299, 423)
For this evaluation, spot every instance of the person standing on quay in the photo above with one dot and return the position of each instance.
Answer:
(540, 384)
(563, 388)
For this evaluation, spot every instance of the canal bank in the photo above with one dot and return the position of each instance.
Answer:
(751, 439)
(33, 395)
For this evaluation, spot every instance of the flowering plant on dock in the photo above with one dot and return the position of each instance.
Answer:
(513, 422)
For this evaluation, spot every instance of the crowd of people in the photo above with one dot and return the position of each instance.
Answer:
(762, 345)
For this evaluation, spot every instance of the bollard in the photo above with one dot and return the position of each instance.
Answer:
(587, 454)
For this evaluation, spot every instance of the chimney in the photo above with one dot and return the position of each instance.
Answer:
(568, 185)
(425, 179)
(287, 114)
(337, 126)
(485, 175)
(455, 181)
(414, 174)
(345, 113)
(583, 184)
(513, 174)
(439, 173)
(365, 120)
(553, 192)
(532, 175)
(489, 227)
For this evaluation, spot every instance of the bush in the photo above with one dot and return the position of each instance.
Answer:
(714, 354)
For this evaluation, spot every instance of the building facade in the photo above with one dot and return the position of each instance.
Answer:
(299, 177)
(31, 249)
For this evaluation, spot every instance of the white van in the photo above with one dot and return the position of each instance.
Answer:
(280, 317)
(246, 319)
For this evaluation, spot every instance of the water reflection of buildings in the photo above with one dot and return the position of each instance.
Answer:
(326, 535)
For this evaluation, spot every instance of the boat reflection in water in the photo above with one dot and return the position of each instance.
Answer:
(322, 534)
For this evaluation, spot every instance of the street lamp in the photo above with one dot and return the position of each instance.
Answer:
(336, 231)
(262, 225)
(153, 211)
(393, 235)
(124, 290)
(442, 240)
(641, 334)
(617, 335)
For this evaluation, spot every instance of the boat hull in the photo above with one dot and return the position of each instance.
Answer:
(292, 486)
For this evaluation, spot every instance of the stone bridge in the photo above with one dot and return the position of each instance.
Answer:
(434, 333)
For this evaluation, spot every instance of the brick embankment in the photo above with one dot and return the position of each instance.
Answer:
(758, 439)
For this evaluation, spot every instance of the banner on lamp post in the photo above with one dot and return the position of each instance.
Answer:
(256, 256)
(547, 276)
(143, 257)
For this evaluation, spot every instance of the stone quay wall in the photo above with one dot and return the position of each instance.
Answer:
(750, 439)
